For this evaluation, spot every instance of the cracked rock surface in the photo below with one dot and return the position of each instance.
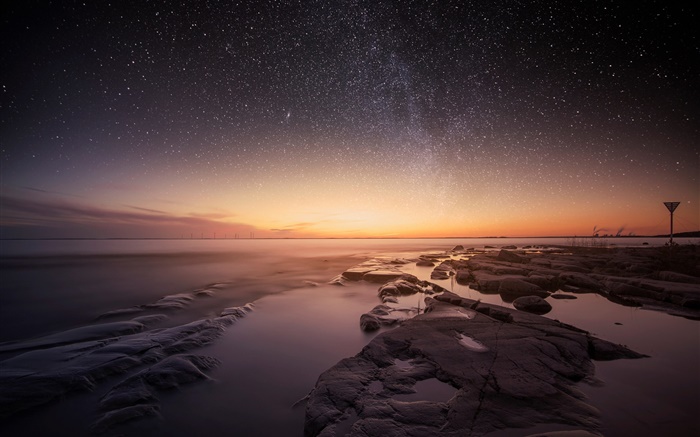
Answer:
(508, 372)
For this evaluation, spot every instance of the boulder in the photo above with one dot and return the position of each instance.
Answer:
(581, 281)
(562, 296)
(507, 256)
(381, 276)
(369, 322)
(425, 263)
(439, 274)
(678, 277)
(464, 277)
(520, 287)
(356, 273)
(532, 304)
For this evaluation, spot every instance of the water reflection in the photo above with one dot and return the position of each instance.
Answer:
(301, 327)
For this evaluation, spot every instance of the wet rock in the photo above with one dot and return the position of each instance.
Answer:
(464, 277)
(384, 315)
(678, 277)
(48, 372)
(356, 273)
(511, 247)
(491, 265)
(562, 296)
(382, 276)
(134, 398)
(532, 304)
(84, 333)
(507, 256)
(425, 263)
(237, 312)
(546, 282)
(524, 372)
(338, 281)
(400, 287)
(569, 267)
(172, 302)
(581, 281)
(520, 287)
(457, 248)
(369, 322)
(407, 285)
(439, 275)
(116, 417)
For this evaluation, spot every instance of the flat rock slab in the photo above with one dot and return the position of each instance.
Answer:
(655, 278)
(511, 374)
(532, 304)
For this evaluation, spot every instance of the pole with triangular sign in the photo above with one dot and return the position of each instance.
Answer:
(671, 207)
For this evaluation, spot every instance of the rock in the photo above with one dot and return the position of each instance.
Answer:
(678, 277)
(369, 322)
(399, 287)
(520, 287)
(338, 281)
(425, 263)
(458, 247)
(562, 296)
(493, 265)
(51, 371)
(506, 375)
(464, 277)
(580, 280)
(383, 315)
(134, 397)
(356, 273)
(511, 257)
(546, 282)
(569, 267)
(408, 285)
(511, 247)
(381, 276)
(532, 304)
(439, 274)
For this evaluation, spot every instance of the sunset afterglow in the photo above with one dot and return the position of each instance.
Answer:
(362, 120)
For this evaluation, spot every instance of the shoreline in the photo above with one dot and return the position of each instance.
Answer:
(302, 309)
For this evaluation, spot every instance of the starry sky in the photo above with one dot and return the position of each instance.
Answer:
(347, 118)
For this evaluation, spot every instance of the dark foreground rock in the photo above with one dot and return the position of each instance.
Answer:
(656, 278)
(509, 374)
(532, 304)
(80, 359)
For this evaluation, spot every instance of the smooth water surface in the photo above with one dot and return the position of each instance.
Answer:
(300, 327)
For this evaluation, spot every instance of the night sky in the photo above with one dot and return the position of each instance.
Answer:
(348, 118)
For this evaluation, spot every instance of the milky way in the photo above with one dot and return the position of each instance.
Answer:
(347, 118)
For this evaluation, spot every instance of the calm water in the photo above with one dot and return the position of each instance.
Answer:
(300, 327)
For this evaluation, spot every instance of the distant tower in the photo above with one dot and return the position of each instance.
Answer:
(671, 207)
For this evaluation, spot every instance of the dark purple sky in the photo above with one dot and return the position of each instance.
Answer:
(347, 118)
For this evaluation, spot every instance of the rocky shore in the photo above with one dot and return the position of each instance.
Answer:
(508, 367)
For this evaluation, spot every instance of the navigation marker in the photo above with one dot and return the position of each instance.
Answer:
(671, 207)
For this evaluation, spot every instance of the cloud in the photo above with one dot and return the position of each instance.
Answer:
(135, 221)
(296, 227)
(154, 211)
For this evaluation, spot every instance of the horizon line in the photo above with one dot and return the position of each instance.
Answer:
(679, 235)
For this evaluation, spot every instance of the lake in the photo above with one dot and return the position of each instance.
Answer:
(300, 326)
